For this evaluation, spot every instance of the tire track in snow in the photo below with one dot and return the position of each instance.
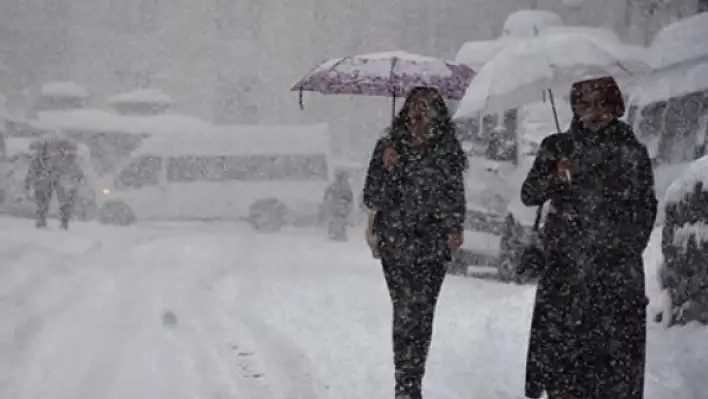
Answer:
(274, 367)
(37, 310)
(282, 360)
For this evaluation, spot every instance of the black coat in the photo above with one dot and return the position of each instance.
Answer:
(419, 201)
(589, 322)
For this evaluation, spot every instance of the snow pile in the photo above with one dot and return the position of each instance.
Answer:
(477, 53)
(64, 90)
(680, 42)
(143, 96)
(679, 56)
(528, 23)
(672, 83)
(685, 184)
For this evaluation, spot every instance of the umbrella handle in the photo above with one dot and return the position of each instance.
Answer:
(302, 107)
(555, 111)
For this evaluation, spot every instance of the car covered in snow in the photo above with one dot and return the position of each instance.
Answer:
(269, 176)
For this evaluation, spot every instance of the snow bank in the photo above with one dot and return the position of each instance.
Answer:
(143, 96)
(675, 82)
(64, 89)
(681, 41)
(528, 23)
(696, 172)
(477, 53)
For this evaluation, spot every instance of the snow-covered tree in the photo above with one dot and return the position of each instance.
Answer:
(685, 246)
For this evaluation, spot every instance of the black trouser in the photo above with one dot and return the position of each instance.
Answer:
(43, 196)
(414, 288)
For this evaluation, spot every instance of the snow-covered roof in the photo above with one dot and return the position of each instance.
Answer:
(528, 23)
(165, 123)
(242, 140)
(96, 120)
(143, 96)
(477, 53)
(696, 172)
(674, 82)
(63, 89)
(681, 41)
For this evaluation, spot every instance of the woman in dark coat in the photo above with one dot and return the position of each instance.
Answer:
(588, 333)
(415, 187)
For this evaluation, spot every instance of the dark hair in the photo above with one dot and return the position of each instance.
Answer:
(607, 86)
(444, 141)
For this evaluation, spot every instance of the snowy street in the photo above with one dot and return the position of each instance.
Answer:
(216, 311)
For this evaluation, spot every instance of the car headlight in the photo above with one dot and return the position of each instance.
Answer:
(106, 191)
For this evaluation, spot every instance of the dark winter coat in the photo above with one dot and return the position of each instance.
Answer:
(46, 170)
(419, 201)
(588, 329)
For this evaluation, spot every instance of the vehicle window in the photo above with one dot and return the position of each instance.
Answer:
(144, 171)
(250, 168)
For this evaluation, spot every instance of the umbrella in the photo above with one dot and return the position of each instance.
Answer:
(521, 73)
(386, 74)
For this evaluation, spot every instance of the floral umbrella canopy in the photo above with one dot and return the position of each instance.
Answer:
(387, 74)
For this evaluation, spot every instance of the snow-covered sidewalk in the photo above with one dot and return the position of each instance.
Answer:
(213, 310)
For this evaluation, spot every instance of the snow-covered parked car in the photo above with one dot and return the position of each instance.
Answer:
(684, 244)
(269, 176)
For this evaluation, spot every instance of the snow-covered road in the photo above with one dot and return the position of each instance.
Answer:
(215, 311)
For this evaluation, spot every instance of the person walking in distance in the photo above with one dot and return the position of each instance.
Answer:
(414, 186)
(54, 169)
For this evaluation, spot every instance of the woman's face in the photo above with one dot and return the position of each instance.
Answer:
(420, 111)
(592, 108)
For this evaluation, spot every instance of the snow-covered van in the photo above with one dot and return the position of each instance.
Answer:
(267, 175)
(19, 152)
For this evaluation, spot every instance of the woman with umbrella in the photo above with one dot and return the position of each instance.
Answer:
(588, 329)
(415, 185)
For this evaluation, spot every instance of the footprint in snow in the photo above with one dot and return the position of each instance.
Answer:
(169, 319)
